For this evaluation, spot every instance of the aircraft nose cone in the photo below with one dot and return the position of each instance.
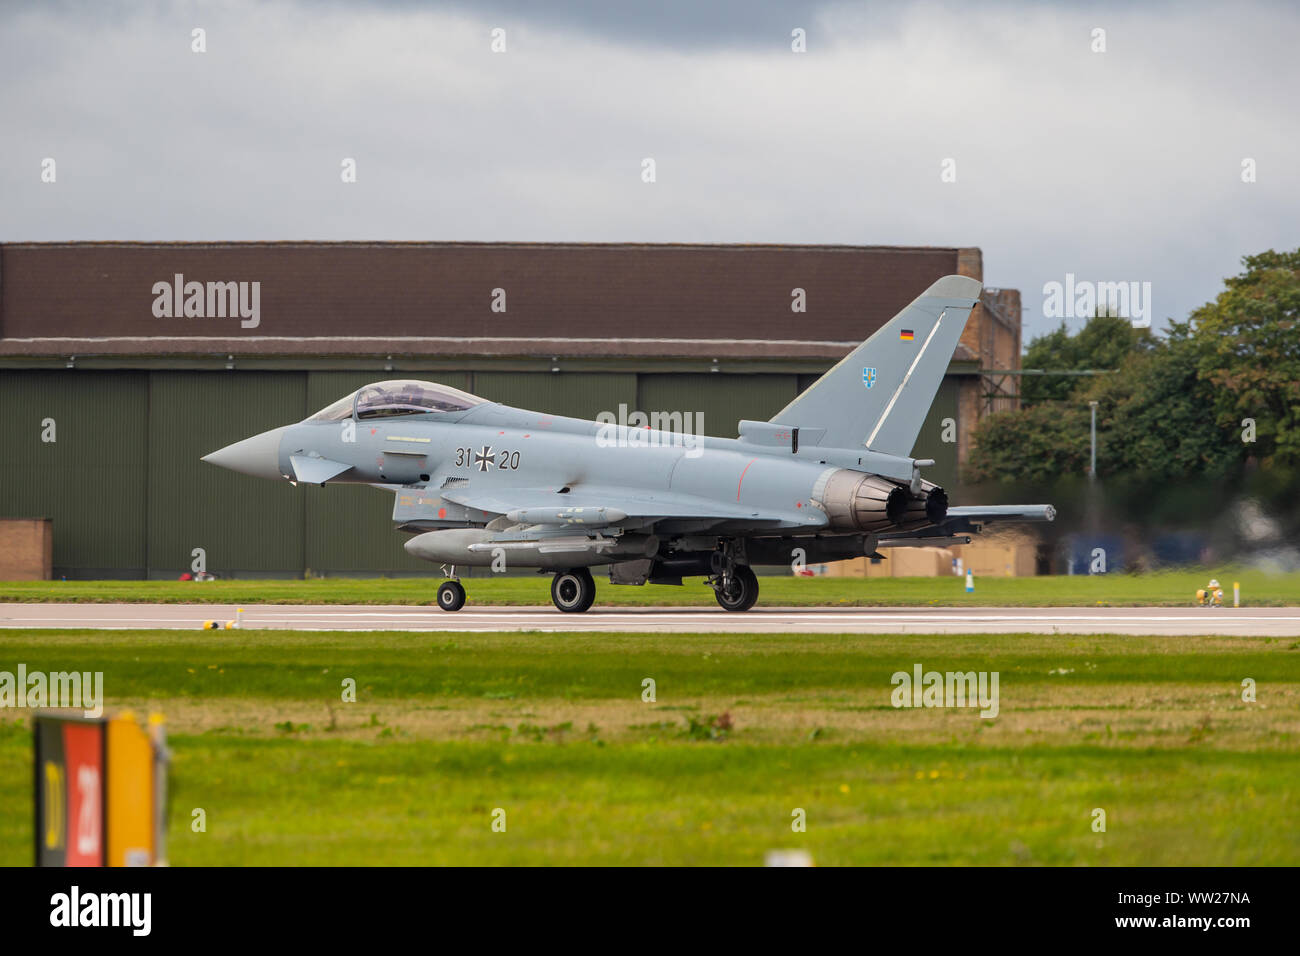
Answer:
(258, 456)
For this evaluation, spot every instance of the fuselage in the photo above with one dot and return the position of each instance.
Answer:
(500, 447)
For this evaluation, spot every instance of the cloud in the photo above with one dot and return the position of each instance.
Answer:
(1113, 166)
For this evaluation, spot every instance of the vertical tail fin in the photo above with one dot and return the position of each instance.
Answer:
(880, 393)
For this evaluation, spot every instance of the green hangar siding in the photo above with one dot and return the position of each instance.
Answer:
(575, 394)
(92, 479)
(723, 400)
(239, 522)
(130, 498)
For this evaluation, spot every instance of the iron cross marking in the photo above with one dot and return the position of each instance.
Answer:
(485, 459)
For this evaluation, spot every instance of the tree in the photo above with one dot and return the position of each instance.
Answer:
(1176, 408)
(1049, 436)
(1249, 351)
(1038, 444)
(1153, 417)
(1101, 344)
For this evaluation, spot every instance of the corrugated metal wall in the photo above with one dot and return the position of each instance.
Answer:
(130, 497)
(575, 394)
(723, 399)
(92, 478)
(240, 522)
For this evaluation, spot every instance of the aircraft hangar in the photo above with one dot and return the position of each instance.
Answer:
(122, 363)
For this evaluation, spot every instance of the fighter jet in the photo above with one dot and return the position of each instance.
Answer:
(481, 484)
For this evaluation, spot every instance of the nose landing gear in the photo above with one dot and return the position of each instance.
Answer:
(451, 594)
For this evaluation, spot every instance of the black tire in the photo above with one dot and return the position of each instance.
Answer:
(573, 591)
(451, 596)
(743, 591)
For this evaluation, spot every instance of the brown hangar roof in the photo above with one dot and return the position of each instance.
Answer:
(435, 298)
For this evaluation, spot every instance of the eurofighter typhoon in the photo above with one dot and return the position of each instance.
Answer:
(481, 484)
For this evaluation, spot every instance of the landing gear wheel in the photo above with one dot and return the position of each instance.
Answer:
(451, 596)
(573, 591)
(741, 592)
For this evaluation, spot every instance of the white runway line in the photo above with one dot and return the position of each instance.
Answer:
(1272, 622)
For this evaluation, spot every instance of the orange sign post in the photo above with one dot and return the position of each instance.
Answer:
(100, 791)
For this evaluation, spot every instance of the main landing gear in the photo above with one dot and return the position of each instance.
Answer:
(738, 590)
(734, 582)
(573, 591)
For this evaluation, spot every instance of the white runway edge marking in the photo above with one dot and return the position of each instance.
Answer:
(1272, 622)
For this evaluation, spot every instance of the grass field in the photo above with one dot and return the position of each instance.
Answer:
(1165, 589)
(744, 730)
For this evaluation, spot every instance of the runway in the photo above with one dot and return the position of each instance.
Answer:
(1257, 622)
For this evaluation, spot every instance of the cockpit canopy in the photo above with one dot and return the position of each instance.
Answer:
(398, 397)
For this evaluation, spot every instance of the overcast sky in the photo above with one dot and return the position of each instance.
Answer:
(1116, 165)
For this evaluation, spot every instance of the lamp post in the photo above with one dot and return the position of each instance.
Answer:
(1092, 466)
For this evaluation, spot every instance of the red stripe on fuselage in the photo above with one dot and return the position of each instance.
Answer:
(742, 478)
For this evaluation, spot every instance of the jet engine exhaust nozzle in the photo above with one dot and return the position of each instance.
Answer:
(857, 502)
